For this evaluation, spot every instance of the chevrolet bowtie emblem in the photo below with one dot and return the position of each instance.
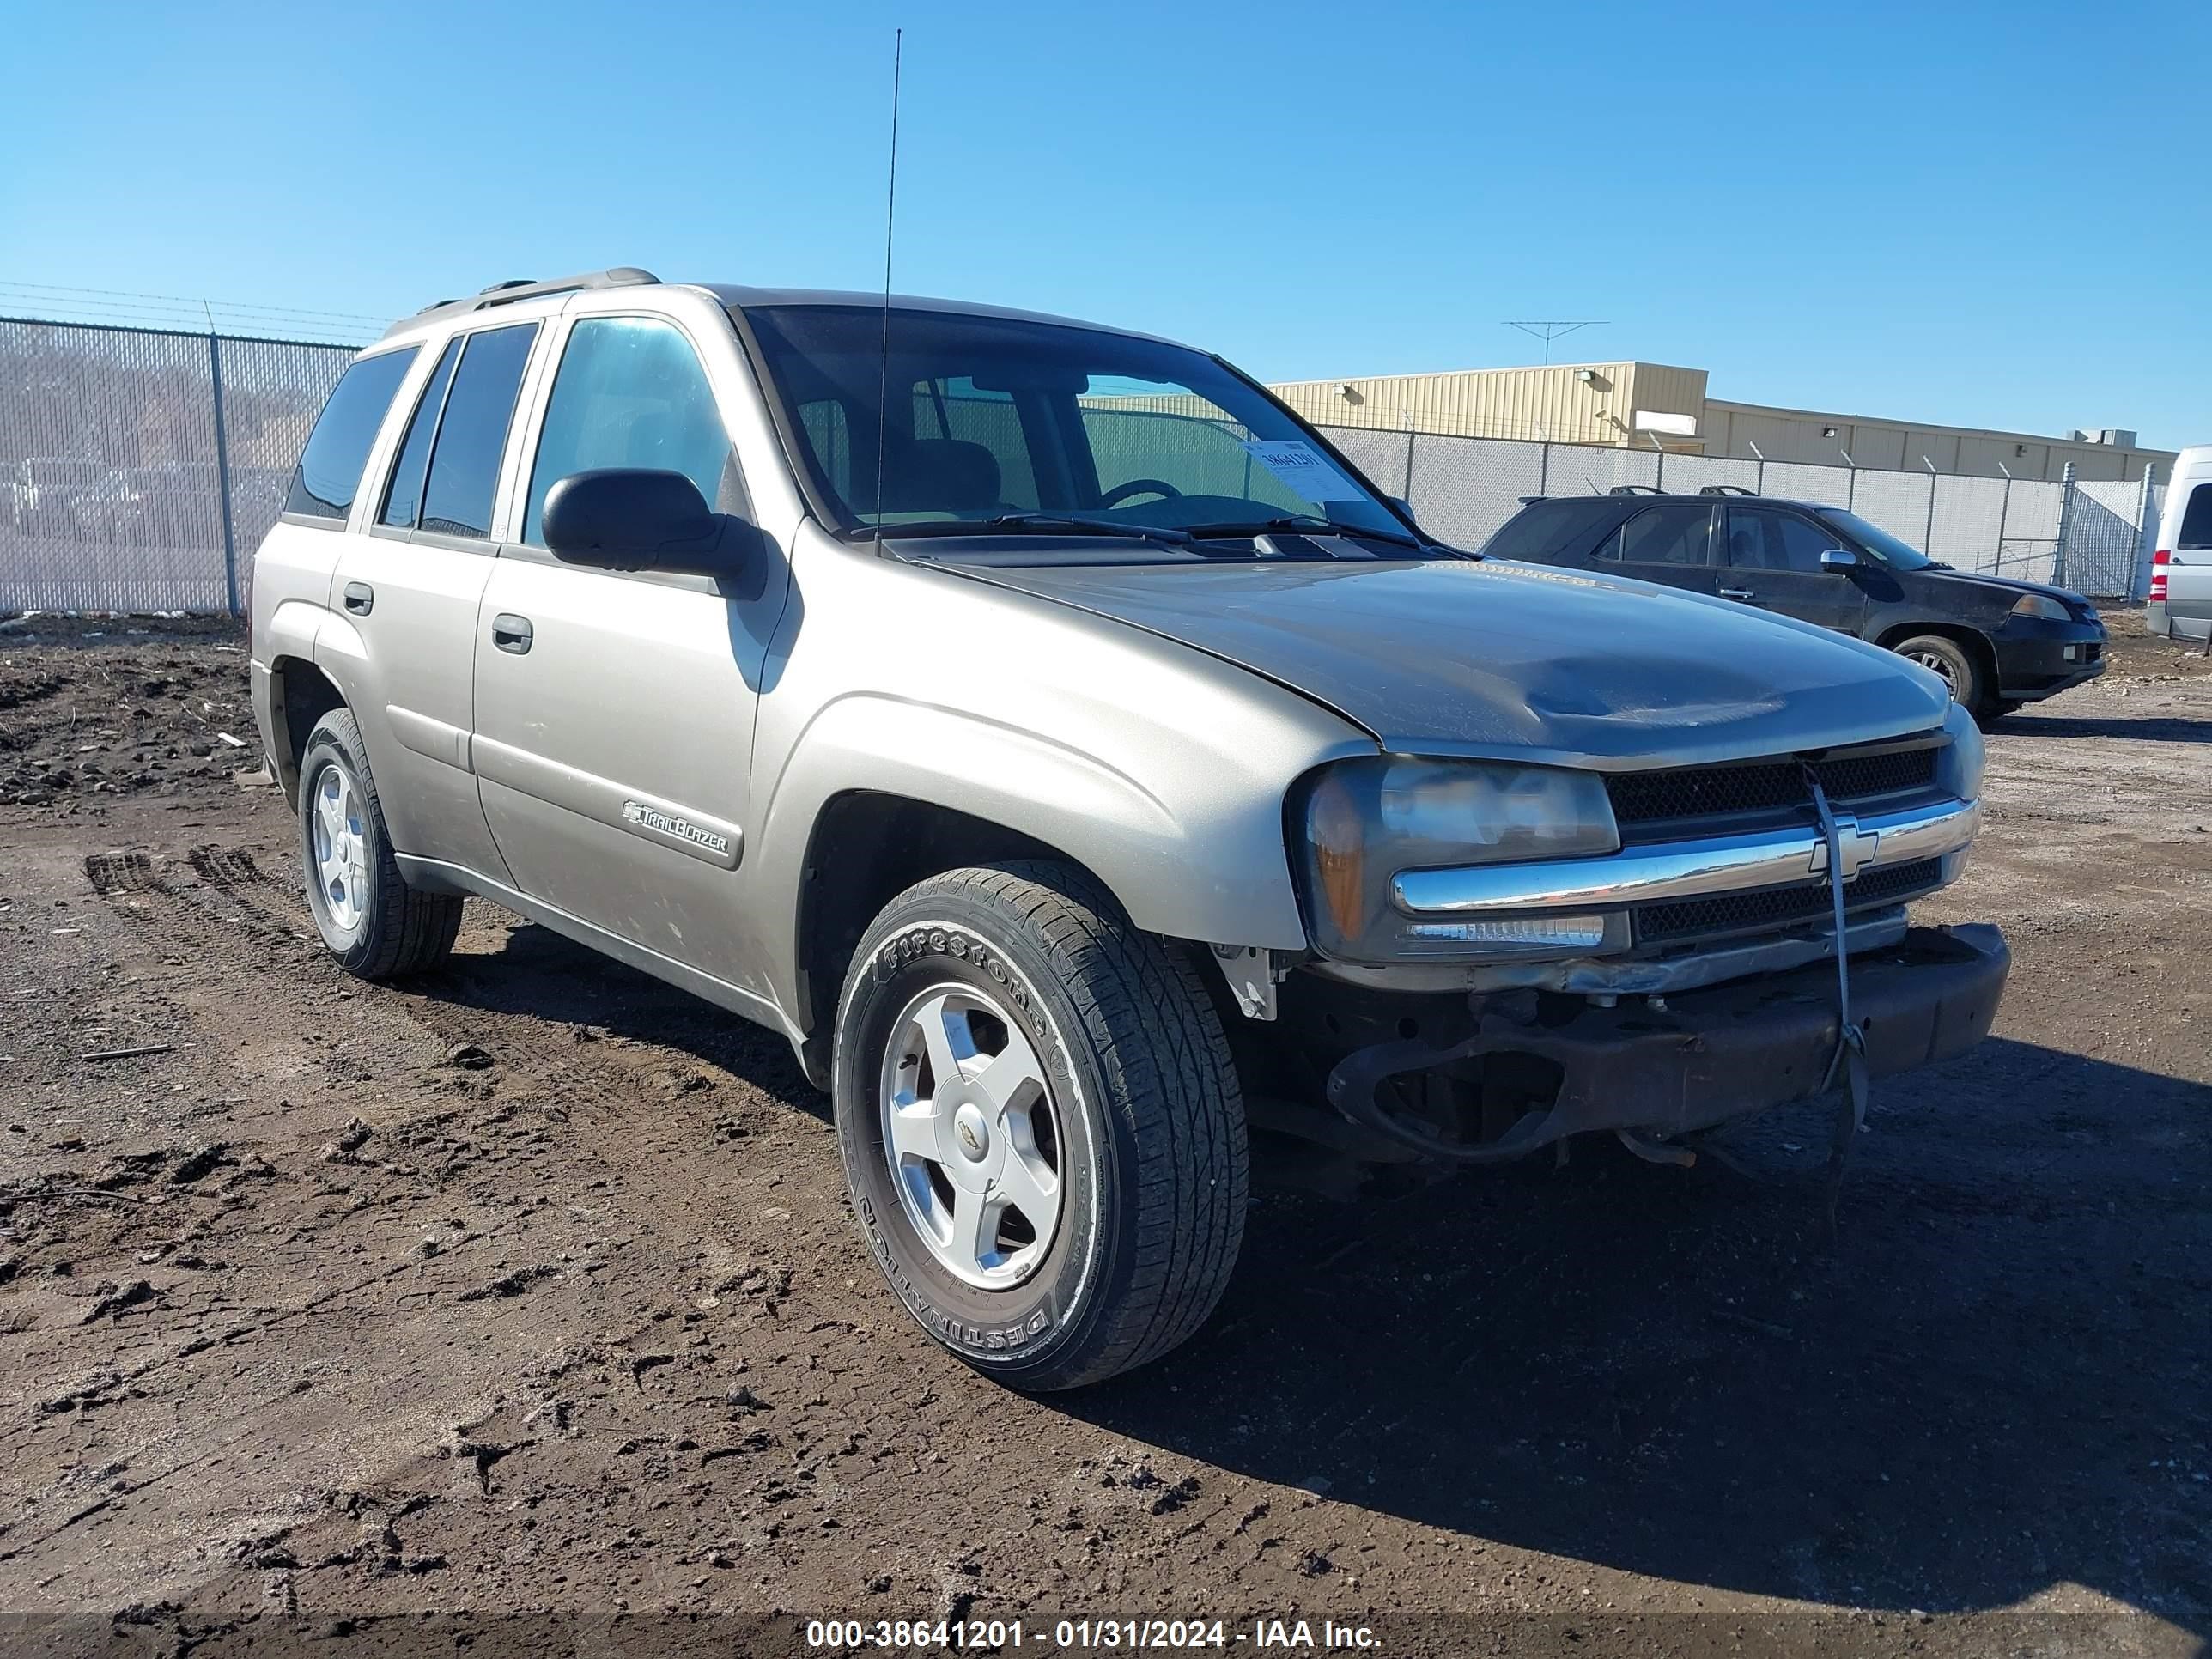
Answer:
(1856, 846)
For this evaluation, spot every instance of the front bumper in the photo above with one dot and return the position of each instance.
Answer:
(2038, 659)
(1699, 1058)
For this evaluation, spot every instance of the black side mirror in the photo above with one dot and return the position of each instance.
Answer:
(626, 518)
(1839, 560)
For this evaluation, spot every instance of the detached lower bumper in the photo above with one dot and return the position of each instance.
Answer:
(1703, 1056)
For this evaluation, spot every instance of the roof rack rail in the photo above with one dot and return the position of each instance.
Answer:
(1727, 490)
(522, 288)
(1636, 490)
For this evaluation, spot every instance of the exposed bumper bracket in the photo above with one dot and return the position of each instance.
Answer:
(1711, 1054)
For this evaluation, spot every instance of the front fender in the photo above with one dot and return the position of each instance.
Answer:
(1191, 850)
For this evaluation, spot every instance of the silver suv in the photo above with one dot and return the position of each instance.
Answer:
(1078, 761)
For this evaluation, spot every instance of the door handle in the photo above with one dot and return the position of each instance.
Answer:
(1737, 593)
(360, 598)
(511, 633)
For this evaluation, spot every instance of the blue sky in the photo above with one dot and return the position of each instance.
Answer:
(1948, 212)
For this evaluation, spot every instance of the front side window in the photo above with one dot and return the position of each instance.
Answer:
(1761, 538)
(329, 473)
(630, 392)
(1662, 535)
(1003, 418)
(463, 477)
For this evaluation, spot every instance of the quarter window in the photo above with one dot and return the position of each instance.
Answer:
(329, 473)
(631, 392)
(464, 478)
(403, 496)
(2196, 532)
(1762, 539)
(1662, 535)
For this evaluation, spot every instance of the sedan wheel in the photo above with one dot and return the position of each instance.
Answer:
(1950, 662)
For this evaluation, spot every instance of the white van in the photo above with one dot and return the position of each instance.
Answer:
(2181, 568)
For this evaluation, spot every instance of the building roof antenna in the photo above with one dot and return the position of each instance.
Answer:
(1550, 329)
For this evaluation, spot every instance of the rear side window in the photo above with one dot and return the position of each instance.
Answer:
(329, 473)
(456, 497)
(403, 496)
(631, 392)
(1553, 530)
(1662, 535)
(2196, 532)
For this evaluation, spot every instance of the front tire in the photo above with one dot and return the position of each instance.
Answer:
(375, 925)
(1953, 663)
(1041, 1125)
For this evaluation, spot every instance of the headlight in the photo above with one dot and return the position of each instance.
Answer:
(2042, 607)
(1366, 820)
(1962, 761)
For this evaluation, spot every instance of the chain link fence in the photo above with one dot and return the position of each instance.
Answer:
(139, 469)
(2092, 537)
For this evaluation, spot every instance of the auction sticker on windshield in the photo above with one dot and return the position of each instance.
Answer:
(1311, 475)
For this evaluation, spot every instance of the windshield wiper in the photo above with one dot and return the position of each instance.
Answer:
(1312, 523)
(1019, 521)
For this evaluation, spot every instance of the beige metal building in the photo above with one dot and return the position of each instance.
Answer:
(1657, 404)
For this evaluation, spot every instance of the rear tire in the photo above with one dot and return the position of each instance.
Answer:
(1953, 663)
(375, 925)
(1093, 1087)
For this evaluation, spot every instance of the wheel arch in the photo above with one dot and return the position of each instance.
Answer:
(300, 693)
(867, 847)
(1968, 638)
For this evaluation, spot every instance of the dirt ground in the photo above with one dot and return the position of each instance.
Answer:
(530, 1288)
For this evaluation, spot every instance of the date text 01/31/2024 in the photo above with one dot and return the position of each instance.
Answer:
(1082, 1634)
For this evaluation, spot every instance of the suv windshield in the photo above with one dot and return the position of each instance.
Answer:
(997, 425)
(1901, 556)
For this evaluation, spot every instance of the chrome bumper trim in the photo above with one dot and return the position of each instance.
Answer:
(1689, 869)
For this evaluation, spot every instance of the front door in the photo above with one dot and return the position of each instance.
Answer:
(614, 711)
(1774, 562)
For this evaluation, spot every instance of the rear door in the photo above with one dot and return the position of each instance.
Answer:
(1774, 562)
(411, 586)
(1670, 543)
(2188, 555)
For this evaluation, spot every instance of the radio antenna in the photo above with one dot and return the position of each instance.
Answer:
(891, 214)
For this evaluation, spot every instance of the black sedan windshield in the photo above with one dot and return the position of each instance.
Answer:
(1898, 556)
(998, 425)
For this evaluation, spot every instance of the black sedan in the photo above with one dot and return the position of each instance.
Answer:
(1996, 643)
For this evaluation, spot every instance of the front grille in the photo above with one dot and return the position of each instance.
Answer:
(1763, 786)
(1779, 907)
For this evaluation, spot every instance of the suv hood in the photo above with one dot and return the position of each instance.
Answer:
(1516, 661)
(2012, 587)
